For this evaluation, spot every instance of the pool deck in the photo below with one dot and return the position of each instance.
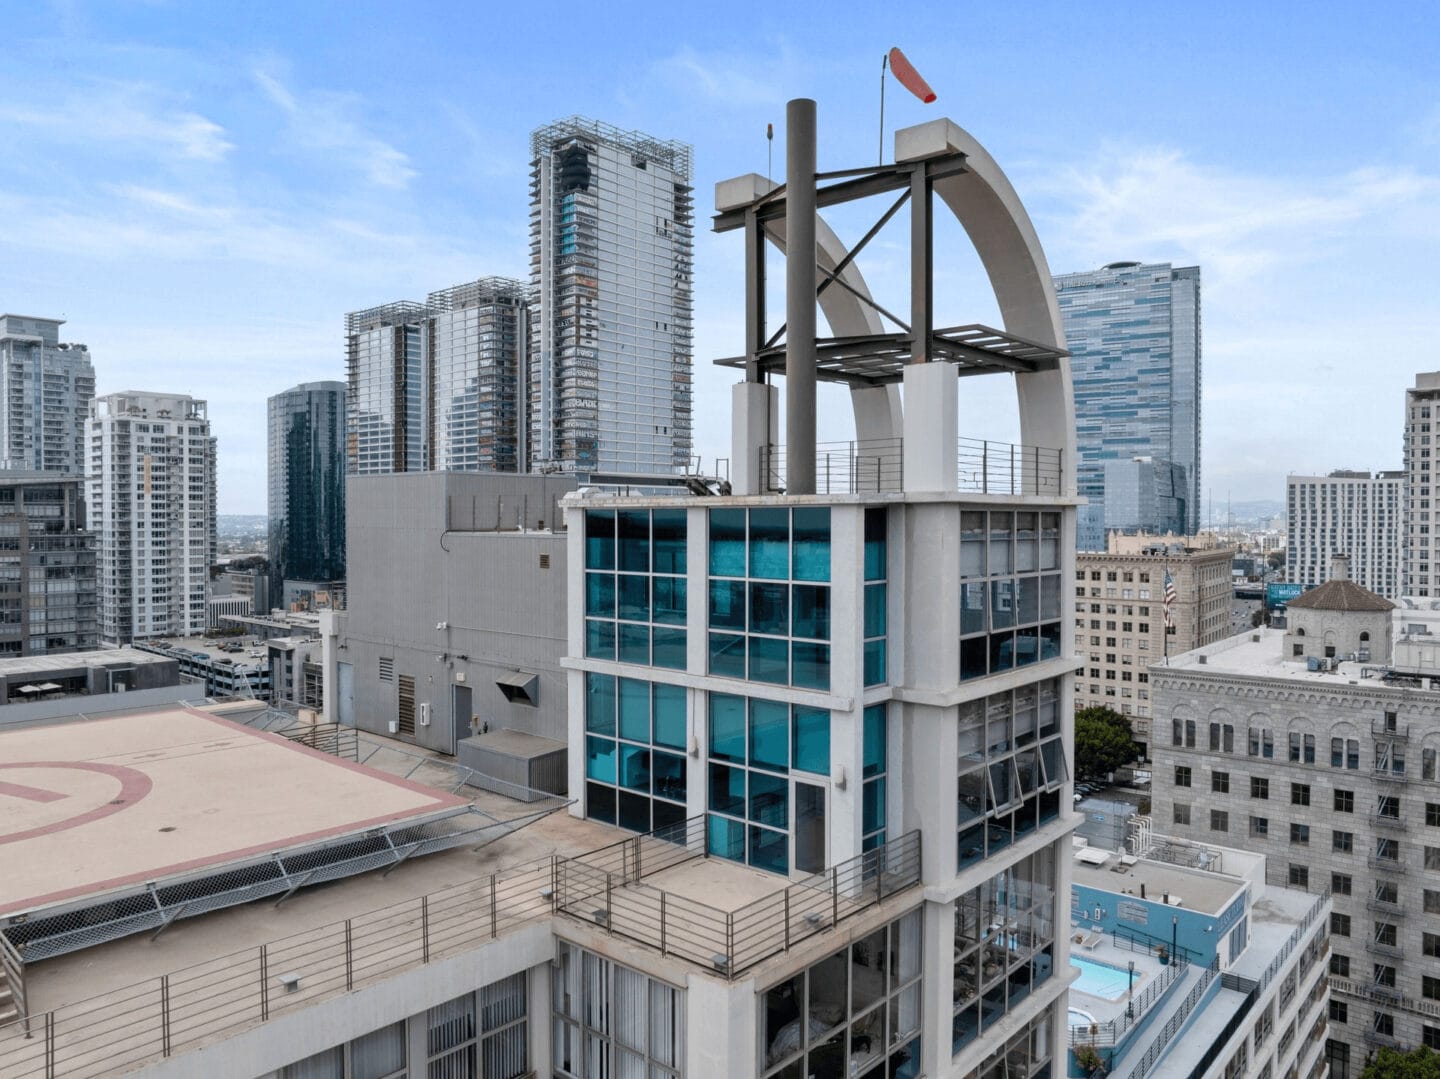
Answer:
(1119, 956)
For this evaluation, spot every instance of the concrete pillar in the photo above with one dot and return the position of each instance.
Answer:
(932, 425)
(938, 975)
(721, 1021)
(539, 1006)
(800, 297)
(754, 424)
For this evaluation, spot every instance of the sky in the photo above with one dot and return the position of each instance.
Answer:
(202, 190)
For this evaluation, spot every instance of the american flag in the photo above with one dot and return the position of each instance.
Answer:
(1169, 599)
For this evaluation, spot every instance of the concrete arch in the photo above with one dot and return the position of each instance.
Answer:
(987, 207)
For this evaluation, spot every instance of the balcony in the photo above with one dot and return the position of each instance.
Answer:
(1381, 728)
(1380, 906)
(876, 465)
(1392, 951)
(1382, 820)
(1387, 774)
(1385, 865)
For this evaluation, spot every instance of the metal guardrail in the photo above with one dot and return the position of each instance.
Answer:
(1005, 468)
(1174, 1024)
(1138, 940)
(843, 468)
(14, 968)
(982, 467)
(180, 1011)
(1112, 1032)
(608, 888)
(330, 738)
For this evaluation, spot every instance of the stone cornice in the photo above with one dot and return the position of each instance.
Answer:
(1296, 691)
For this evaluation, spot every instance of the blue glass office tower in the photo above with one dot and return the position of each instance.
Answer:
(1133, 330)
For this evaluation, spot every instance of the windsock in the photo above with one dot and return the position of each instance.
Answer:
(909, 77)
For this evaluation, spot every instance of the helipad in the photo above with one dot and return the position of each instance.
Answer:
(93, 807)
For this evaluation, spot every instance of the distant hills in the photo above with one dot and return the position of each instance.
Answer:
(240, 525)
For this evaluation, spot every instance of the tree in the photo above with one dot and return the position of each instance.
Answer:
(1421, 1063)
(1104, 742)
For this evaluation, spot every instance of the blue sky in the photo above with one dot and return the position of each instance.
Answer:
(203, 190)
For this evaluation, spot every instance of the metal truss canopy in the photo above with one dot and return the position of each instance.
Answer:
(880, 359)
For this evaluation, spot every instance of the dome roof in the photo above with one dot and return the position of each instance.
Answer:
(1342, 595)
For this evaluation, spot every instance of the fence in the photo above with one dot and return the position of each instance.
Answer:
(842, 468)
(164, 1016)
(329, 738)
(1112, 1032)
(1175, 1023)
(874, 465)
(608, 888)
(161, 1017)
(1004, 468)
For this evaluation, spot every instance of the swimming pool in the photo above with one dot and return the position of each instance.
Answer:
(1101, 980)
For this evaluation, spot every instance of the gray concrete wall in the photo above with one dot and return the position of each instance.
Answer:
(423, 552)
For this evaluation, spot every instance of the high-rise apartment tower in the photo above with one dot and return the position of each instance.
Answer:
(46, 388)
(307, 483)
(387, 374)
(611, 248)
(1133, 330)
(1350, 513)
(152, 500)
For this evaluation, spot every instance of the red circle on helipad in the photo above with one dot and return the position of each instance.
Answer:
(134, 785)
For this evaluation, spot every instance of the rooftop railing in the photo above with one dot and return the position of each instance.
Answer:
(615, 889)
(878, 465)
(178, 1012)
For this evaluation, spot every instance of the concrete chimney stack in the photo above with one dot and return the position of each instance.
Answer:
(1339, 567)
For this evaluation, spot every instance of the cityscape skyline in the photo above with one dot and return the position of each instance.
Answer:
(271, 193)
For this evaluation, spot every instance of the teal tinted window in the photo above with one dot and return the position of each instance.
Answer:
(874, 738)
(633, 644)
(770, 799)
(770, 660)
(770, 543)
(726, 839)
(727, 543)
(600, 595)
(600, 703)
(811, 611)
(812, 665)
(634, 710)
(668, 648)
(668, 528)
(635, 768)
(875, 598)
(812, 740)
(634, 597)
(727, 789)
(599, 539)
(669, 600)
(873, 806)
(600, 759)
(599, 639)
(727, 655)
(770, 735)
(875, 554)
(669, 712)
(769, 850)
(812, 543)
(875, 662)
(727, 727)
(727, 605)
(770, 608)
(634, 549)
(668, 771)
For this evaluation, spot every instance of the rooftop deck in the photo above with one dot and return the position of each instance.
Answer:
(111, 1008)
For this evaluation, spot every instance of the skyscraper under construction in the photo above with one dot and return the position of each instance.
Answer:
(611, 251)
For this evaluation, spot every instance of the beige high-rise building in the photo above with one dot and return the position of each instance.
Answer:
(1120, 625)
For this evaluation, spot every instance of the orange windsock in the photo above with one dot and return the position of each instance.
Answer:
(909, 77)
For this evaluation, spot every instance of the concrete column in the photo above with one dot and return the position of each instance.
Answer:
(754, 424)
(539, 1006)
(800, 297)
(932, 425)
(938, 974)
(721, 1021)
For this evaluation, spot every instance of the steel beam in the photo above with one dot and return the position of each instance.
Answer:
(800, 256)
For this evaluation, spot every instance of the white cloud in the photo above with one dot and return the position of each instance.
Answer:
(128, 114)
(322, 122)
(736, 79)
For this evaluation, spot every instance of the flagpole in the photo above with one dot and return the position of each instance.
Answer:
(884, 63)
